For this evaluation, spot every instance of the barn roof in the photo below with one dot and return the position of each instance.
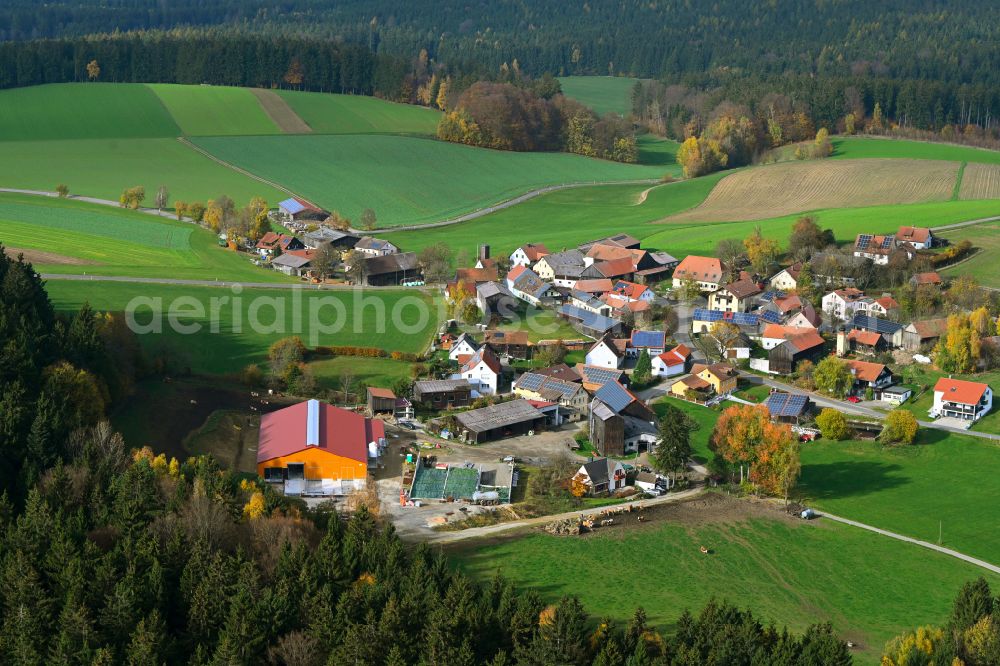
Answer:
(315, 424)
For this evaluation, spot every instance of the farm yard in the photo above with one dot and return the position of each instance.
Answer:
(236, 344)
(390, 174)
(783, 189)
(825, 571)
(73, 237)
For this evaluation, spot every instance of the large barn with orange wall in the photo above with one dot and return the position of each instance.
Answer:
(313, 448)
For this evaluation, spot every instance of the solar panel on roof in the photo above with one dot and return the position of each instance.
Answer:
(786, 404)
(614, 396)
(771, 317)
(864, 240)
(530, 381)
(886, 242)
(745, 319)
(707, 315)
(647, 338)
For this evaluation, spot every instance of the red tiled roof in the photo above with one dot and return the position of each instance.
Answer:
(602, 252)
(788, 303)
(340, 432)
(596, 286)
(615, 267)
(930, 328)
(961, 391)
(377, 392)
(931, 277)
(742, 288)
(869, 338)
(516, 272)
(487, 356)
(476, 274)
(913, 234)
(865, 371)
(850, 294)
(534, 251)
(676, 356)
(630, 289)
(706, 269)
(887, 302)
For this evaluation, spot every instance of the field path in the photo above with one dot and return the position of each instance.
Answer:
(83, 277)
(93, 200)
(283, 115)
(923, 544)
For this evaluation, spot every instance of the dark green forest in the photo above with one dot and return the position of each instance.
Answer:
(112, 555)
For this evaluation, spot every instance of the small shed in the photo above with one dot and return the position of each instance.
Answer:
(788, 407)
(381, 400)
(896, 395)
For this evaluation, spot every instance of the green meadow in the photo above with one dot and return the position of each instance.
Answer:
(603, 94)
(872, 147)
(112, 241)
(408, 180)
(210, 110)
(356, 114)
(235, 327)
(986, 238)
(788, 573)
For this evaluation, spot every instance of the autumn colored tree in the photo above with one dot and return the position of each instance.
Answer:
(62, 190)
(822, 146)
(900, 427)
(132, 197)
(368, 219)
(807, 237)
(832, 375)
(338, 221)
(255, 508)
(738, 433)
(960, 348)
(744, 435)
(762, 252)
(162, 197)
(700, 156)
(726, 334)
(196, 211)
(258, 220)
(93, 70)
(833, 424)
(294, 75)
(442, 97)
(777, 467)
(916, 647)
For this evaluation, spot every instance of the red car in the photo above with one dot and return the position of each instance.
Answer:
(854, 398)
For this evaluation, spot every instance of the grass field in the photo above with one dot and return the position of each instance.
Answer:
(654, 150)
(982, 265)
(867, 147)
(790, 573)
(372, 371)
(567, 218)
(210, 110)
(100, 240)
(354, 114)
(104, 167)
(603, 94)
(344, 318)
(703, 416)
(82, 111)
(793, 187)
(408, 180)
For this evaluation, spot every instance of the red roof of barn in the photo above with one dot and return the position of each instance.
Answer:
(340, 432)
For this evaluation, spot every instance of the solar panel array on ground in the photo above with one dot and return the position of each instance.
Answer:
(428, 483)
(462, 482)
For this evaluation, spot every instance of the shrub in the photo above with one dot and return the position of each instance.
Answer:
(833, 424)
(900, 427)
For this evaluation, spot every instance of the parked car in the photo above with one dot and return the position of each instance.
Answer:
(854, 399)
(407, 425)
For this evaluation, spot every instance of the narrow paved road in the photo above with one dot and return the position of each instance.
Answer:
(967, 223)
(93, 200)
(475, 532)
(924, 544)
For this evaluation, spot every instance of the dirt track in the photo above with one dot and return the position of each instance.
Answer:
(43, 257)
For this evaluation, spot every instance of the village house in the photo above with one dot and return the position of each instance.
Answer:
(706, 271)
(734, 297)
(392, 269)
(920, 238)
(890, 330)
(960, 399)
(297, 210)
(595, 376)
(632, 291)
(528, 254)
(672, 362)
(526, 285)
(562, 269)
(374, 247)
(868, 375)
(842, 303)
(587, 301)
(923, 334)
(605, 354)
(652, 342)
(601, 476)
(513, 344)
(505, 419)
(722, 377)
(273, 243)
(313, 448)
(570, 395)
(620, 422)
(620, 240)
(560, 371)
(294, 262)
(463, 348)
(868, 343)
(620, 308)
(595, 287)
(438, 394)
(884, 306)
(482, 371)
(702, 320)
(879, 248)
(787, 279)
(807, 317)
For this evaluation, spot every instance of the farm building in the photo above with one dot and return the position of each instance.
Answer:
(296, 209)
(590, 324)
(571, 395)
(528, 254)
(463, 347)
(595, 376)
(513, 344)
(960, 399)
(505, 419)
(620, 240)
(922, 334)
(788, 346)
(374, 247)
(481, 483)
(494, 298)
(651, 342)
(619, 422)
(327, 237)
(294, 262)
(392, 269)
(702, 320)
(562, 268)
(442, 393)
(931, 277)
(313, 448)
(273, 243)
(706, 271)
(605, 354)
(889, 330)
(526, 285)
(600, 476)
(788, 407)
(919, 237)
(381, 401)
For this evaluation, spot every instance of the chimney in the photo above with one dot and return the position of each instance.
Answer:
(841, 343)
(312, 423)
(484, 252)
